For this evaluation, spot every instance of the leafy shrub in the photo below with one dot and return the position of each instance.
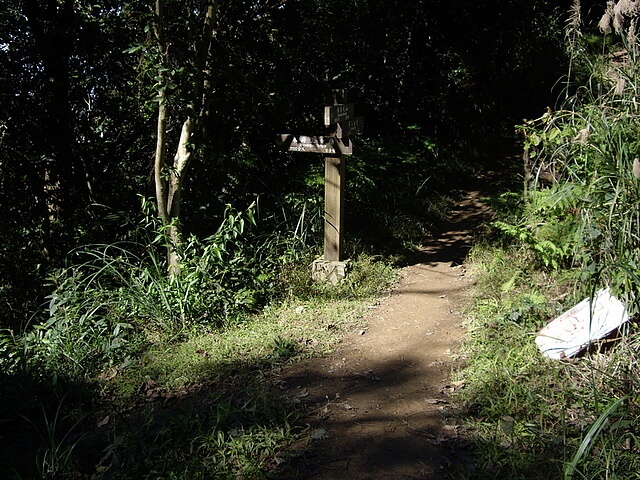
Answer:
(582, 174)
(578, 220)
(548, 225)
(101, 309)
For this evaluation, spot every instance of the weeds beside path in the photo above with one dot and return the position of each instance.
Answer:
(377, 406)
(202, 406)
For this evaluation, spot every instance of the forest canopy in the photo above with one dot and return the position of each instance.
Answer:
(80, 85)
(148, 207)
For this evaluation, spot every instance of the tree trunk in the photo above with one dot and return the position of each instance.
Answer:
(174, 196)
(169, 180)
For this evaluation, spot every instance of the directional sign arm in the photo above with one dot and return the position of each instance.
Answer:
(330, 145)
(284, 140)
(338, 113)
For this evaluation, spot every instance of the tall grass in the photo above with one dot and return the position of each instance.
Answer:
(586, 206)
(575, 228)
(113, 299)
(590, 437)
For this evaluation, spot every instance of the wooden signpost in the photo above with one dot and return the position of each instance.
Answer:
(340, 122)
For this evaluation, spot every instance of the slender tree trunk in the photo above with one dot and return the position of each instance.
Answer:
(169, 180)
(173, 193)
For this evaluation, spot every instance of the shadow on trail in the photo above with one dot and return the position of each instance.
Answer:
(355, 438)
(64, 430)
(453, 243)
(390, 419)
(168, 433)
(464, 223)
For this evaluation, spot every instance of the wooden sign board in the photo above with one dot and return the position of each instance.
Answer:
(338, 113)
(352, 126)
(341, 122)
(325, 145)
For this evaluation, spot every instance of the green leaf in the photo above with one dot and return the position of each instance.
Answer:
(591, 436)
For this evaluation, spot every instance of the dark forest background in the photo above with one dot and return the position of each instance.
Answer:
(84, 284)
(77, 123)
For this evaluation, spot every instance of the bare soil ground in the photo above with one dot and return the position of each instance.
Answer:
(377, 406)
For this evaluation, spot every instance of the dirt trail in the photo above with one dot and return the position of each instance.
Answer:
(377, 406)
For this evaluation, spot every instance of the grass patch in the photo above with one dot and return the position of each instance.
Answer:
(286, 332)
(200, 403)
(529, 417)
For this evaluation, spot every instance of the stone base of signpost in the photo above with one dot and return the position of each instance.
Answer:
(329, 271)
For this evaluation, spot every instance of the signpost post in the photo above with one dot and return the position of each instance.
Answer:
(340, 121)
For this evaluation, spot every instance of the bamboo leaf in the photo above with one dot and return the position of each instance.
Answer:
(590, 437)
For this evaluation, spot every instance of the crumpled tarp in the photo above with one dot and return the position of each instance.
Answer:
(572, 331)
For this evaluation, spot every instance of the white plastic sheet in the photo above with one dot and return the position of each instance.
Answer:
(572, 331)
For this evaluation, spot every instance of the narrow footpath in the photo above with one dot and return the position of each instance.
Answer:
(378, 405)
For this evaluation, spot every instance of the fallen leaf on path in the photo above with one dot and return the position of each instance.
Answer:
(450, 429)
(445, 413)
(103, 422)
(319, 434)
(453, 387)
(423, 433)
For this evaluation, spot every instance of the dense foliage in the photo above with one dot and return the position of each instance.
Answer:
(84, 289)
(581, 175)
(78, 118)
(572, 228)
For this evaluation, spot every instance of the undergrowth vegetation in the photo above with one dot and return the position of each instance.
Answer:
(111, 387)
(128, 372)
(573, 230)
